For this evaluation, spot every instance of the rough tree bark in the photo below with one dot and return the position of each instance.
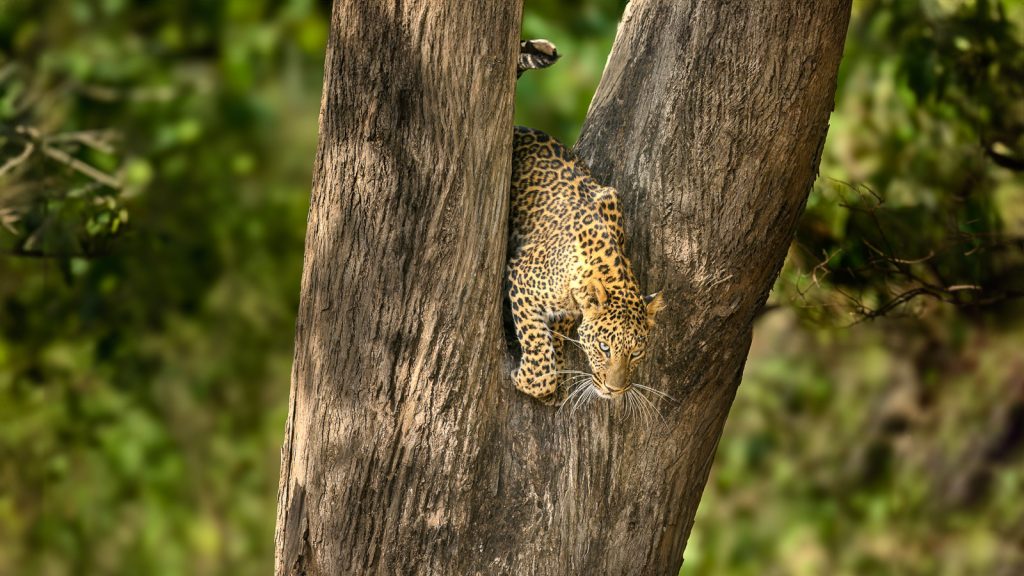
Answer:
(407, 450)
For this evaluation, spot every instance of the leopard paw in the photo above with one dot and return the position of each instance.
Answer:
(542, 387)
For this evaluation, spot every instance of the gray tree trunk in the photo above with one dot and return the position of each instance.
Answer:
(407, 450)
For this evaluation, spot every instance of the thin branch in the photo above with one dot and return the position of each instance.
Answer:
(19, 159)
(96, 139)
(32, 134)
(82, 167)
(961, 287)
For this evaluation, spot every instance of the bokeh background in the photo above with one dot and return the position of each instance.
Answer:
(155, 165)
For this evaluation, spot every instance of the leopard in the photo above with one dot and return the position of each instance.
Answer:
(568, 268)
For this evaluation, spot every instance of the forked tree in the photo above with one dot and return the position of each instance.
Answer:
(407, 449)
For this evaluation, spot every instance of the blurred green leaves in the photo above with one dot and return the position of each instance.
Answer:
(874, 450)
(146, 303)
(918, 203)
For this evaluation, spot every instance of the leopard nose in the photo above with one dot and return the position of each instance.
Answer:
(617, 381)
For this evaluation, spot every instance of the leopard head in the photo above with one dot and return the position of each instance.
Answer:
(614, 333)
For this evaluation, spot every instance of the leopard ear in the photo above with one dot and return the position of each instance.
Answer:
(591, 296)
(655, 303)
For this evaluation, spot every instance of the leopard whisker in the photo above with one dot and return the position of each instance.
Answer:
(577, 389)
(586, 398)
(579, 383)
(639, 410)
(576, 374)
(568, 372)
(655, 391)
(581, 399)
(556, 372)
(574, 383)
(651, 411)
(577, 377)
(564, 337)
(650, 405)
(572, 380)
(593, 395)
(627, 407)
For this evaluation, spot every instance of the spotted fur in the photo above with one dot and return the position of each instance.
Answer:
(568, 264)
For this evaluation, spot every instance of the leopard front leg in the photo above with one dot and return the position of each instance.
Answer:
(537, 374)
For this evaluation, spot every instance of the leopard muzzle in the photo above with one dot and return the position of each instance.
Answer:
(616, 379)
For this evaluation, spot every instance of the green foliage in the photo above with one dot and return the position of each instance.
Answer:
(146, 322)
(919, 199)
(868, 451)
(151, 247)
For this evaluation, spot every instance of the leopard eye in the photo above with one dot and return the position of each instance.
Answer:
(637, 354)
(604, 348)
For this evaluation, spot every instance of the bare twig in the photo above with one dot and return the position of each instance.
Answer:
(19, 159)
(81, 167)
(99, 140)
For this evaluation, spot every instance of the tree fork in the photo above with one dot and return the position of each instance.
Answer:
(407, 450)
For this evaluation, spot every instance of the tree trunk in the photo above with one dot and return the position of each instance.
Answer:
(407, 449)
